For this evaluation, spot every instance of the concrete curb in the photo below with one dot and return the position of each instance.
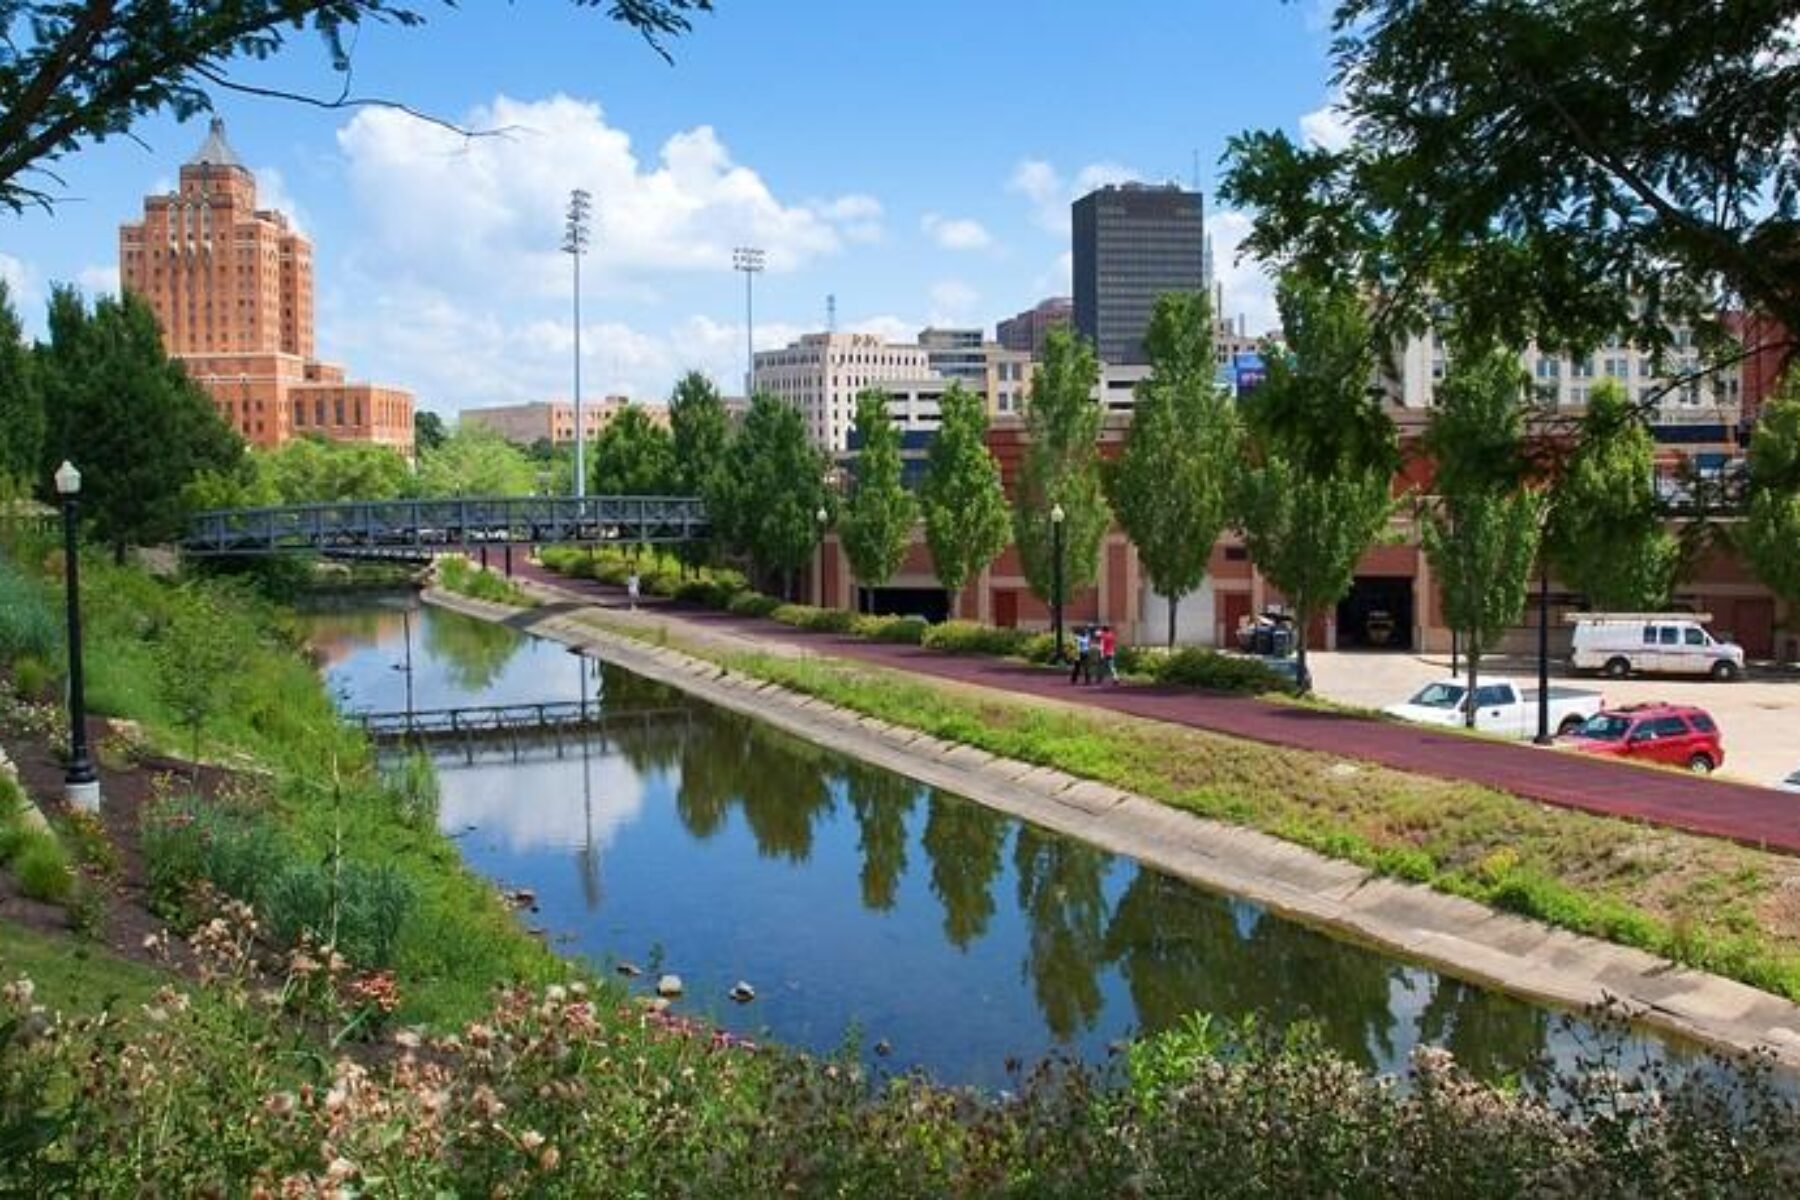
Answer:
(1459, 937)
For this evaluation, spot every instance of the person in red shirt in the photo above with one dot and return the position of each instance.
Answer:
(1109, 648)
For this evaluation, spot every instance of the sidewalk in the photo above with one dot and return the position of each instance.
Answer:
(1751, 815)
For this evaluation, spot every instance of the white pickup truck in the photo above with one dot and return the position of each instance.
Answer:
(1501, 707)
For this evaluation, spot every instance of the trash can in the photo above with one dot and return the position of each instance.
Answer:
(1281, 641)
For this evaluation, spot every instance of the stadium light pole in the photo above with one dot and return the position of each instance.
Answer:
(575, 244)
(749, 260)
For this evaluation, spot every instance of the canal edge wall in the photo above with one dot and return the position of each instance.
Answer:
(1460, 937)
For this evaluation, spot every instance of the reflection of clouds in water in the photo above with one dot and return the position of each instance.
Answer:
(539, 805)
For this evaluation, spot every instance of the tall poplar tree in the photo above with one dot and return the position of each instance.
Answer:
(877, 524)
(1482, 526)
(1770, 534)
(1607, 538)
(21, 405)
(962, 500)
(701, 435)
(777, 487)
(1315, 489)
(1172, 487)
(633, 456)
(1062, 467)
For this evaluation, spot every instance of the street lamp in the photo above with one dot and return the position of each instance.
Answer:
(749, 260)
(1056, 579)
(1543, 737)
(81, 787)
(575, 244)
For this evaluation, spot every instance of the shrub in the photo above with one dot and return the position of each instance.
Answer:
(411, 785)
(358, 909)
(753, 604)
(969, 637)
(1198, 668)
(28, 624)
(186, 842)
(34, 679)
(42, 868)
(710, 593)
(823, 620)
(1038, 648)
(908, 630)
(460, 575)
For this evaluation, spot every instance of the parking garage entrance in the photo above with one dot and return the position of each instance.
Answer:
(1377, 614)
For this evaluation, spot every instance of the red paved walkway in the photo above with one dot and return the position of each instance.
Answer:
(1744, 813)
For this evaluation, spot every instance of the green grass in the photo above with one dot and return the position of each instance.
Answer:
(460, 575)
(75, 977)
(275, 721)
(1699, 901)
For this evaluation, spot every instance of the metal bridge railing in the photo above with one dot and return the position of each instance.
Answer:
(425, 526)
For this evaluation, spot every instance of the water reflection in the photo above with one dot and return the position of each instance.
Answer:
(852, 896)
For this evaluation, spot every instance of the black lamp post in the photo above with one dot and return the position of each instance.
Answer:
(1056, 579)
(81, 787)
(822, 517)
(1543, 737)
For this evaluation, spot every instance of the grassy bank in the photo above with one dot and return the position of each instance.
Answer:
(1699, 901)
(208, 665)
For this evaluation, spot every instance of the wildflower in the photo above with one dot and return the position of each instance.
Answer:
(280, 1104)
(18, 993)
(549, 1158)
(340, 1170)
(531, 1139)
(407, 1039)
(556, 993)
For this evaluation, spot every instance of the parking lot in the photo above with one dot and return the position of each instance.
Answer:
(1759, 716)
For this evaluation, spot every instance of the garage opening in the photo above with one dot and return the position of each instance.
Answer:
(931, 603)
(1377, 614)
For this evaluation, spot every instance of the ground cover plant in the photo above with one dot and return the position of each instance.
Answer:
(458, 574)
(1702, 902)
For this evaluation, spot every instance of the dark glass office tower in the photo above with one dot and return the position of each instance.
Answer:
(1133, 242)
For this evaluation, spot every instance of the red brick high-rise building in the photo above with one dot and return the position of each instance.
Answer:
(232, 289)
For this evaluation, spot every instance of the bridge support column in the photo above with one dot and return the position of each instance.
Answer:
(484, 556)
(507, 550)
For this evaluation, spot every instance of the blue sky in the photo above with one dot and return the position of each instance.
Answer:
(916, 160)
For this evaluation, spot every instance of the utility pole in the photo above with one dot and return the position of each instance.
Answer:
(749, 260)
(575, 243)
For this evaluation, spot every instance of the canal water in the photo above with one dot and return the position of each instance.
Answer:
(863, 907)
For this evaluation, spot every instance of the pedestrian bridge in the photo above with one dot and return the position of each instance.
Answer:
(420, 528)
(506, 722)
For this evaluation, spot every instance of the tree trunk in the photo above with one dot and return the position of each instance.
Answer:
(955, 603)
(1174, 602)
(1303, 674)
(1473, 655)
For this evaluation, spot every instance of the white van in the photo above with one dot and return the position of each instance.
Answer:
(1661, 643)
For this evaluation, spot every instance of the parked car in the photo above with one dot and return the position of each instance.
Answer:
(1791, 783)
(1501, 707)
(1617, 644)
(1677, 734)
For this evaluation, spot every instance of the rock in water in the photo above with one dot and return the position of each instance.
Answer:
(629, 969)
(669, 985)
(742, 992)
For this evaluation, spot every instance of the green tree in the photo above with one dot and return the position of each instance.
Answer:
(21, 406)
(1507, 156)
(428, 431)
(1315, 490)
(194, 665)
(1771, 529)
(877, 523)
(1062, 467)
(961, 498)
(776, 487)
(128, 417)
(80, 71)
(633, 456)
(1172, 487)
(1606, 536)
(1481, 529)
(475, 461)
(701, 433)
(312, 470)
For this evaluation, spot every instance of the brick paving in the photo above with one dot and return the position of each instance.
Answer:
(1744, 813)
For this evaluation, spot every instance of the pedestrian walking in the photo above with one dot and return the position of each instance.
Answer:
(1081, 654)
(1109, 649)
(631, 590)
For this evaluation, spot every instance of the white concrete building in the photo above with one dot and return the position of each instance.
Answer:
(823, 373)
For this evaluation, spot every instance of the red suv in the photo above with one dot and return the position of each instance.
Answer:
(1678, 734)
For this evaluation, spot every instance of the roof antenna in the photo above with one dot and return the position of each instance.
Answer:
(831, 312)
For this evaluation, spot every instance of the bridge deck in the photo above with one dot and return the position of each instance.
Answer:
(498, 720)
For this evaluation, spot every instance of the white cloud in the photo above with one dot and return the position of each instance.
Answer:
(22, 284)
(1058, 278)
(1249, 290)
(99, 280)
(272, 192)
(952, 302)
(887, 326)
(487, 213)
(956, 233)
(1050, 193)
(1327, 127)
